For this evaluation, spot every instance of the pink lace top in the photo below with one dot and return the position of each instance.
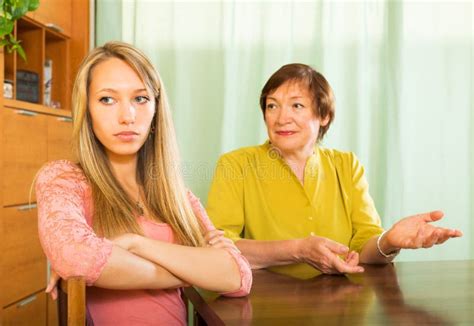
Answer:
(73, 249)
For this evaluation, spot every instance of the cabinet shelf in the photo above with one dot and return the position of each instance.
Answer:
(22, 105)
(40, 44)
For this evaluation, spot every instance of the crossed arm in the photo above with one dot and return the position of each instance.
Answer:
(74, 250)
(210, 268)
(135, 263)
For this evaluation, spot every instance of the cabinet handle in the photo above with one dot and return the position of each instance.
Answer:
(26, 301)
(26, 207)
(26, 113)
(64, 119)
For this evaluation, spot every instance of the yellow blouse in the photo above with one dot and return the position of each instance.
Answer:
(255, 195)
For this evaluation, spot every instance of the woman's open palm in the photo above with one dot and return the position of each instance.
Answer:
(416, 232)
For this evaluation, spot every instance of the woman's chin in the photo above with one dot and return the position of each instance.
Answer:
(123, 151)
(285, 146)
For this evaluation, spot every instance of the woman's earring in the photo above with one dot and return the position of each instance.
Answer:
(152, 129)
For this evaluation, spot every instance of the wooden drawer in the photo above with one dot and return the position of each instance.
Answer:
(59, 138)
(24, 264)
(30, 311)
(24, 152)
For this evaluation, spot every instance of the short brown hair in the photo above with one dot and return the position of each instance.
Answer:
(323, 96)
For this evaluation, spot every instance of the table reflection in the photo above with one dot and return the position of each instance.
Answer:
(373, 297)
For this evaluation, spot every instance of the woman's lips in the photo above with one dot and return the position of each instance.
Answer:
(127, 135)
(285, 133)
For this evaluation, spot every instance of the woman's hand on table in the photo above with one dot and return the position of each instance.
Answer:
(415, 232)
(325, 255)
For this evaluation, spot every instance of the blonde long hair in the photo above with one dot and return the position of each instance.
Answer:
(158, 169)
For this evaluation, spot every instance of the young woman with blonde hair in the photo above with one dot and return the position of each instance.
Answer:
(121, 217)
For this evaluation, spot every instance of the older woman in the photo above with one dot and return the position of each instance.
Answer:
(292, 205)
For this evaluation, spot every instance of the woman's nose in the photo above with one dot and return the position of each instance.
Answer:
(284, 116)
(127, 114)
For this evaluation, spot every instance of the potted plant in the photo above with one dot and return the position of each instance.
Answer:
(10, 11)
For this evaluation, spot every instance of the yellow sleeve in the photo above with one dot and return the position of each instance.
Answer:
(364, 216)
(225, 204)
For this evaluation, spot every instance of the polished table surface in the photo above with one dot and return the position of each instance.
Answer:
(405, 293)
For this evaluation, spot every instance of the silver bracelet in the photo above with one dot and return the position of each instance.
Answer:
(391, 255)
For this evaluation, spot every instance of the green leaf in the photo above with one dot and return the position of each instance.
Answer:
(21, 52)
(13, 40)
(33, 5)
(19, 8)
(19, 12)
(6, 27)
(11, 10)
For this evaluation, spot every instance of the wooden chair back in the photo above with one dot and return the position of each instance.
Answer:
(72, 309)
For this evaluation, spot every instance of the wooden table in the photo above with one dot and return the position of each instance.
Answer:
(409, 293)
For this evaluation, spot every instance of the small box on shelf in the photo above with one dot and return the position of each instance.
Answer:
(29, 72)
(27, 86)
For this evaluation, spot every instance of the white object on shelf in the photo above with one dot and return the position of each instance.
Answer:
(55, 27)
(7, 89)
(47, 79)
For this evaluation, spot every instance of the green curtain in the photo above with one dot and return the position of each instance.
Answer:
(401, 71)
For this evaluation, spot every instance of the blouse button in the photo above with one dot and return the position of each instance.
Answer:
(310, 218)
(312, 233)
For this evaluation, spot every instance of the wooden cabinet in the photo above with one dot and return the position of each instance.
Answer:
(52, 312)
(28, 312)
(56, 50)
(32, 133)
(2, 268)
(59, 138)
(25, 151)
(3, 271)
(31, 139)
(23, 258)
(56, 13)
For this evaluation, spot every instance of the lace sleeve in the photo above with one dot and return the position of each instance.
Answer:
(68, 241)
(243, 264)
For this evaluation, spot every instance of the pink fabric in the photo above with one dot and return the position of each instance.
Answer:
(64, 224)
(242, 262)
(139, 307)
(64, 205)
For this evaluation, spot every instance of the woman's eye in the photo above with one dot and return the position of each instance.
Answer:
(106, 100)
(298, 106)
(142, 99)
(271, 106)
